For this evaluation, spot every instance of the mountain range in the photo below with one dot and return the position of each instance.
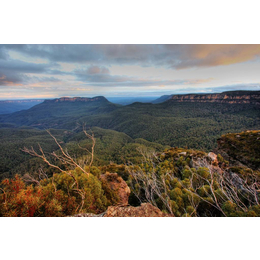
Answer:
(195, 121)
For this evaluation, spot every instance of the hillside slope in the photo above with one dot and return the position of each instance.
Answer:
(54, 113)
(241, 148)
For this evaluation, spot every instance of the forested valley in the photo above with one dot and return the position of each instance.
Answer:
(61, 158)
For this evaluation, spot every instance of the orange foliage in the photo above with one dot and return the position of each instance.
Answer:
(19, 200)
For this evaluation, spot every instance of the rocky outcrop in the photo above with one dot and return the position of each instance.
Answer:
(232, 97)
(145, 210)
(213, 157)
(118, 186)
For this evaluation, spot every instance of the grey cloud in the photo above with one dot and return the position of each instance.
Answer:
(9, 78)
(14, 71)
(100, 76)
(44, 79)
(251, 86)
(58, 52)
(174, 56)
(92, 70)
(23, 67)
(3, 54)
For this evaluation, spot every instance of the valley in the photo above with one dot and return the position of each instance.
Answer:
(159, 153)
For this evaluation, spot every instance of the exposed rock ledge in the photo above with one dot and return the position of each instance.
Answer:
(145, 210)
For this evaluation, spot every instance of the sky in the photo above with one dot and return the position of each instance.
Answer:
(52, 71)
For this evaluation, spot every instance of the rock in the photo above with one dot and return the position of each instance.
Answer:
(183, 153)
(145, 210)
(85, 215)
(118, 185)
(213, 157)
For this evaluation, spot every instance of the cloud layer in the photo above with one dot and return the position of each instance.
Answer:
(171, 56)
(63, 69)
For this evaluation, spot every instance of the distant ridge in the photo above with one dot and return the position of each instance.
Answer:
(66, 109)
(231, 97)
(21, 101)
(11, 106)
(77, 99)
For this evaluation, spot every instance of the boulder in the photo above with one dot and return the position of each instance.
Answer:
(213, 157)
(117, 185)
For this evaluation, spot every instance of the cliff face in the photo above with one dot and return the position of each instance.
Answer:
(236, 97)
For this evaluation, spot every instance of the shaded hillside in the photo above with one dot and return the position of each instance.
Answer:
(54, 113)
(161, 99)
(241, 147)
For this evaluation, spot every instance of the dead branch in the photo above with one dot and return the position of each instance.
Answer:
(66, 159)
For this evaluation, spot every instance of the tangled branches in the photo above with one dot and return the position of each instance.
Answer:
(185, 186)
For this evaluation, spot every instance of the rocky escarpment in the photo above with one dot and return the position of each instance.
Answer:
(232, 97)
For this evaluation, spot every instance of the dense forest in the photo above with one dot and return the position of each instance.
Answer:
(111, 146)
(192, 125)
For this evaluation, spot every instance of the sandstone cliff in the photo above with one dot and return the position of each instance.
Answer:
(232, 97)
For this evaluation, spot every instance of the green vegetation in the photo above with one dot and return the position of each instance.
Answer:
(182, 182)
(111, 146)
(195, 125)
(243, 147)
(56, 196)
(187, 183)
(138, 143)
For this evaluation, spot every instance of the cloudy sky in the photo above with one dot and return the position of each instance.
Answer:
(50, 71)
